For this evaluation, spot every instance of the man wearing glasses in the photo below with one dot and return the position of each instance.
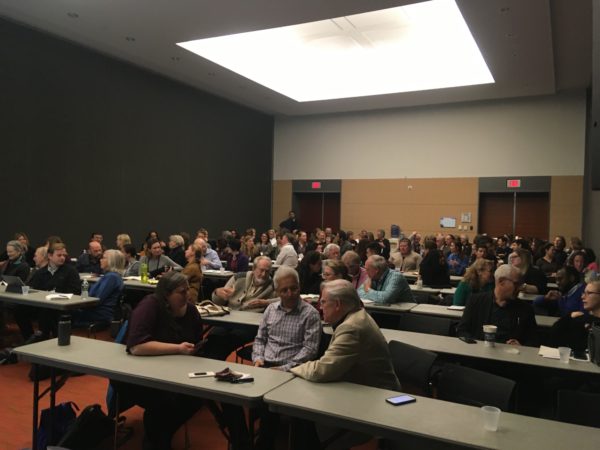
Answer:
(514, 318)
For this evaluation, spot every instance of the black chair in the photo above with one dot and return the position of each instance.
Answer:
(413, 366)
(468, 386)
(421, 323)
(581, 408)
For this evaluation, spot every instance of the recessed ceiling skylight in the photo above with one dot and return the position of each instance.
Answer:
(417, 47)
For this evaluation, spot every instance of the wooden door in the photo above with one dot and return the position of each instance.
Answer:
(318, 210)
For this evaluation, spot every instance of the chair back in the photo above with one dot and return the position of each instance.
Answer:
(581, 408)
(473, 387)
(413, 365)
(421, 323)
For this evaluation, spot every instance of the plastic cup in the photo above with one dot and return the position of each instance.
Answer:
(491, 417)
(489, 335)
(25, 290)
(565, 354)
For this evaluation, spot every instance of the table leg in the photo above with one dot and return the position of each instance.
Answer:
(52, 404)
(36, 398)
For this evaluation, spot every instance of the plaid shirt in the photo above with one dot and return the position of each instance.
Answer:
(288, 338)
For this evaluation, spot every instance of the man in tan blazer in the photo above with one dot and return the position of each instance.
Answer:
(358, 352)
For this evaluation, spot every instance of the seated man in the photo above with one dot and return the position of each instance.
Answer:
(249, 291)
(405, 259)
(357, 274)
(210, 259)
(357, 353)
(331, 251)
(290, 330)
(384, 285)
(384, 244)
(287, 254)
(56, 276)
(514, 318)
(288, 335)
(89, 262)
(568, 297)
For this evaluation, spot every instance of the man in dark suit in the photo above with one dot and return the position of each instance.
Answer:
(514, 318)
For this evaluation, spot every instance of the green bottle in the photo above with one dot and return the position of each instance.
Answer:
(144, 272)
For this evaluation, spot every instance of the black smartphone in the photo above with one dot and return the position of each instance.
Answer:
(467, 339)
(401, 400)
(580, 355)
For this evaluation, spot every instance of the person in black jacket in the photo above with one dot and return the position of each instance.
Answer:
(16, 264)
(514, 318)
(56, 276)
(433, 268)
(309, 271)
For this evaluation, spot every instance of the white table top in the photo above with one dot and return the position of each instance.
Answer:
(436, 310)
(209, 273)
(364, 409)
(169, 372)
(393, 308)
(501, 352)
(38, 300)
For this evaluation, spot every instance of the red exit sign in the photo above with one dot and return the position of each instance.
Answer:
(513, 183)
(316, 185)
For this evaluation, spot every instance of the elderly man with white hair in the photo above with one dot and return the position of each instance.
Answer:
(331, 251)
(384, 285)
(514, 318)
(210, 259)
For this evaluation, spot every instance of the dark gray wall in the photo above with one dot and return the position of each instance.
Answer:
(91, 143)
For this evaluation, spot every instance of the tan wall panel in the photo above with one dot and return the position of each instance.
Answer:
(566, 206)
(282, 200)
(413, 204)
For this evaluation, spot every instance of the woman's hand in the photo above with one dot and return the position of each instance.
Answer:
(185, 348)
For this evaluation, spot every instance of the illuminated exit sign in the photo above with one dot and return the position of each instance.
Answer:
(316, 185)
(513, 183)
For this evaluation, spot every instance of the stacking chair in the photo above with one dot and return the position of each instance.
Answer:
(413, 366)
(473, 387)
(421, 323)
(581, 408)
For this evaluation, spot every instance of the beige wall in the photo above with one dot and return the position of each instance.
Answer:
(566, 206)
(282, 201)
(413, 204)
(419, 203)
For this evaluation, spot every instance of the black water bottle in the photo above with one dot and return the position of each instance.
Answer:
(64, 330)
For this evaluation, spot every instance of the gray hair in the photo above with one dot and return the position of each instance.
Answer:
(343, 291)
(168, 283)
(115, 260)
(177, 238)
(351, 257)
(285, 272)
(378, 262)
(125, 238)
(506, 271)
(328, 248)
(592, 277)
(262, 258)
(17, 246)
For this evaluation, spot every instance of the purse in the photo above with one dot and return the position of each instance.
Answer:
(207, 308)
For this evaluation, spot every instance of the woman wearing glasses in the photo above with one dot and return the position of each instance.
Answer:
(573, 330)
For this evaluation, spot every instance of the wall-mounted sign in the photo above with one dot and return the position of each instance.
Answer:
(513, 184)
(316, 185)
(448, 222)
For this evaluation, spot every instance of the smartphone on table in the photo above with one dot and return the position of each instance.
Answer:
(401, 400)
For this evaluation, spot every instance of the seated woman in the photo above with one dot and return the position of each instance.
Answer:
(433, 268)
(335, 269)
(132, 265)
(309, 271)
(165, 323)
(457, 260)
(108, 289)
(122, 241)
(534, 280)
(546, 263)
(248, 247)
(194, 273)
(478, 278)
(16, 264)
(175, 249)
(265, 247)
(236, 261)
(572, 330)
(156, 261)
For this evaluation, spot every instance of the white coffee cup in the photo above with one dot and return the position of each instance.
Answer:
(489, 335)
(565, 354)
(491, 417)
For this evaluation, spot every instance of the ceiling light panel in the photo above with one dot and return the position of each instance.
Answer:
(417, 47)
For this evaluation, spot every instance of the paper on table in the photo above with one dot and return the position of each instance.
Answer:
(58, 296)
(549, 352)
(456, 308)
(366, 301)
(133, 277)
